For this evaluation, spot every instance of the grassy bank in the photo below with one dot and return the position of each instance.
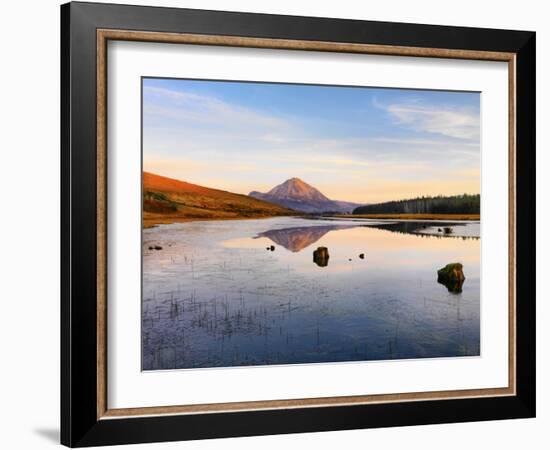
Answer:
(149, 221)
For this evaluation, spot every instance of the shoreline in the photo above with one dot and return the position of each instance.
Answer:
(450, 217)
(151, 222)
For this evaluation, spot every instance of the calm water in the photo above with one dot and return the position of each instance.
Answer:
(217, 295)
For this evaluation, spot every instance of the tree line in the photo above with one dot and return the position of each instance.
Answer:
(456, 204)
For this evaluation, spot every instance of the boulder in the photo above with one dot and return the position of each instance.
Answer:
(321, 256)
(452, 277)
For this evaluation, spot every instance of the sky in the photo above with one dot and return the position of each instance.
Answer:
(357, 144)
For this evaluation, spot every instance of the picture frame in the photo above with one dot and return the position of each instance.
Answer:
(86, 29)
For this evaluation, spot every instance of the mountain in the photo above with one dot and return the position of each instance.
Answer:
(166, 200)
(296, 189)
(300, 196)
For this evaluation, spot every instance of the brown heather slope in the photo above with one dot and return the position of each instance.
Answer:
(166, 200)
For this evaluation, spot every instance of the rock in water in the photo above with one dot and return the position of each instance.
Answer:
(362, 256)
(321, 256)
(451, 272)
(452, 277)
(272, 248)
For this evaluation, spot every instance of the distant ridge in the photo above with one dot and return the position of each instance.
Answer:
(296, 194)
(167, 200)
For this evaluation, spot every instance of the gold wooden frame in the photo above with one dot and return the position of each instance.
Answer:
(103, 36)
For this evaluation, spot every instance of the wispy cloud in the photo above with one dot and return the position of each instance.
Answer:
(186, 167)
(188, 107)
(426, 142)
(460, 123)
(248, 142)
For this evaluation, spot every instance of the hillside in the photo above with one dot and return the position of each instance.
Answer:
(166, 200)
(456, 204)
(300, 196)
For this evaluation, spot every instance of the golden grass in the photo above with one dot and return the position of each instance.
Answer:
(413, 216)
(150, 222)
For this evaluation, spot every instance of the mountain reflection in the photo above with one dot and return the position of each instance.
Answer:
(426, 229)
(298, 238)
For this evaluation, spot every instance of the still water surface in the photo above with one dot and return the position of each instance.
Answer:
(218, 294)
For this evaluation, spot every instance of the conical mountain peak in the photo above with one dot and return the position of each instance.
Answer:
(296, 194)
(297, 189)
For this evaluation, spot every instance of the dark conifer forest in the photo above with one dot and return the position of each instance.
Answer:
(456, 204)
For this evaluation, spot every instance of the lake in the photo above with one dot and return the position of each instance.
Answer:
(248, 292)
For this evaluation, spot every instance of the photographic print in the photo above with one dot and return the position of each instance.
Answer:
(299, 224)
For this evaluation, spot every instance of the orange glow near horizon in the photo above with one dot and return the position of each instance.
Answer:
(359, 188)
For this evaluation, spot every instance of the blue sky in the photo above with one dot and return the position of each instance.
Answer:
(356, 144)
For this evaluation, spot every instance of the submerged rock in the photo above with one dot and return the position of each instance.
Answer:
(321, 256)
(452, 277)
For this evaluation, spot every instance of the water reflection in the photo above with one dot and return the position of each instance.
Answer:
(465, 230)
(296, 239)
(453, 286)
(214, 297)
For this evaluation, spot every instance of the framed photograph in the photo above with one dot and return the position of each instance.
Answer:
(277, 224)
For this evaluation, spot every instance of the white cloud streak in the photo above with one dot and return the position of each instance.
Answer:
(205, 140)
(461, 124)
(185, 107)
